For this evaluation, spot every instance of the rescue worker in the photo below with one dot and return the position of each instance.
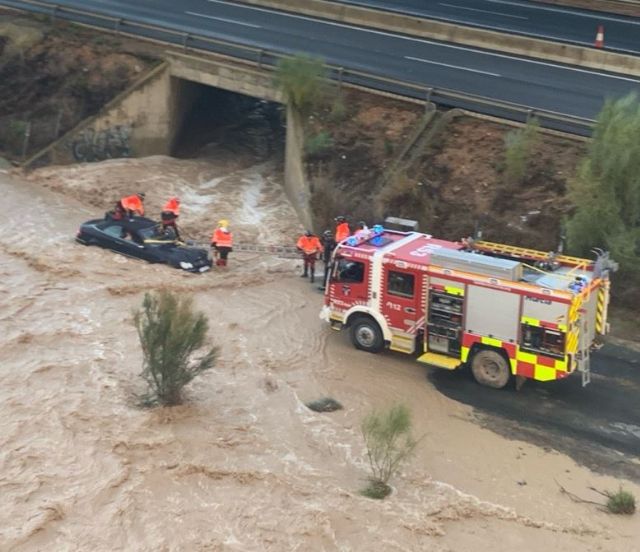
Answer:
(362, 230)
(342, 229)
(310, 246)
(169, 216)
(328, 245)
(222, 242)
(131, 205)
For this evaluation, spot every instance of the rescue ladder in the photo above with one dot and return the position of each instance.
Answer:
(284, 251)
(524, 253)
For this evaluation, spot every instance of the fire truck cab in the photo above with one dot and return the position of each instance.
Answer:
(504, 311)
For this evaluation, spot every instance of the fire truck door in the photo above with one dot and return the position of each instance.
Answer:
(401, 293)
(350, 279)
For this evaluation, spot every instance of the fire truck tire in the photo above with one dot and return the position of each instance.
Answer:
(366, 335)
(491, 369)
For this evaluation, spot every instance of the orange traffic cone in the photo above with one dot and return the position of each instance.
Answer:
(600, 37)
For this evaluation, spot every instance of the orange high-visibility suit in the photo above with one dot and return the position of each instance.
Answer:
(342, 231)
(169, 215)
(222, 242)
(310, 246)
(133, 205)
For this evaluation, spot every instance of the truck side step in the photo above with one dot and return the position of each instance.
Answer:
(440, 361)
(402, 343)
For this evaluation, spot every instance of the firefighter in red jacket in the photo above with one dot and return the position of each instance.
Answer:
(130, 206)
(169, 216)
(342, 229)
(222, 242)
(310, 246)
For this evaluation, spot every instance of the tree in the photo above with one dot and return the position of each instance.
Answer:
(170, 334)
(388, 439)
(302, 79)
(606, 190)
(518, 147)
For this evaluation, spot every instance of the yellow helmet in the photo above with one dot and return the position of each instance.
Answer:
(223, 223)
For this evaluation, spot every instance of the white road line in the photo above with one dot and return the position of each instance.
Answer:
(603, 17)
(481, 11)
(433, 42)
(452, 66)
(224, 20)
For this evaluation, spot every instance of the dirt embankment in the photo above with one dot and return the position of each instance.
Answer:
(54, 76)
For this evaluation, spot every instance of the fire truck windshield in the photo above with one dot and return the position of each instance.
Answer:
(348, 271)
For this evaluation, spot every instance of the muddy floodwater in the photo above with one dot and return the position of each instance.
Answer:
(243, 465)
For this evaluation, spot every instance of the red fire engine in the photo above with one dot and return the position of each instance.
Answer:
(502, 310)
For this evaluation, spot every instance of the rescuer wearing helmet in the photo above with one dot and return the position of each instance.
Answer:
(169, 216)
(342, 229)
(310, 246)
(131, 205)
(221, 242)
(328, 245)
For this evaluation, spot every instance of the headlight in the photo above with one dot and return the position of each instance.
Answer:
(186, 266)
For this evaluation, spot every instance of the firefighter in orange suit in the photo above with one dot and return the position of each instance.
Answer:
(342, 229)
(222, 242)
(170, 214)
(310, 246)
(131, 205)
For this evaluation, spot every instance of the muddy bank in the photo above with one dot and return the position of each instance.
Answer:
(243, 465)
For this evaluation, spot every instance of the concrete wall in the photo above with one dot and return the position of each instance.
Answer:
(296, 185)
(220, 72)
(447, 32)
(136, 123)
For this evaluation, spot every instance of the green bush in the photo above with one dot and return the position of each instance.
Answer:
(171, 334)
(606, 190)
(621, 502)
(519, 145)
(318, 143)
(388, 439)
(302, 79)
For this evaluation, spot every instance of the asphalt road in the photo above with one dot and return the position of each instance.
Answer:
(532, 83)
(598, 425)
(533, 19)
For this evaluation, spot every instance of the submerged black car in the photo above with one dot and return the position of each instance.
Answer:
(139, 237)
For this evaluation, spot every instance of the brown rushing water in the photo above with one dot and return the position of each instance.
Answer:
(243, 465)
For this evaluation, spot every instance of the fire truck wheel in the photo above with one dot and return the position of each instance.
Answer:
(490, 368)
(366, 335)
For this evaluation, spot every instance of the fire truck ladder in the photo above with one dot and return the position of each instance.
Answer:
(524, 253)
(584, 357)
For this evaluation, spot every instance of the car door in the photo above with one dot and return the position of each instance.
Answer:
(113, 238)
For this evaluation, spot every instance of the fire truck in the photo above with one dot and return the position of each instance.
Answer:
(509, 313)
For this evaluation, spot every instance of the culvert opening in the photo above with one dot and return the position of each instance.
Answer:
(207, 119)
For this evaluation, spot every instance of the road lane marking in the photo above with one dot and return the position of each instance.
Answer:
(481, 11)
(452, 66)
(603, 17)
(433, 42)
(224, 19)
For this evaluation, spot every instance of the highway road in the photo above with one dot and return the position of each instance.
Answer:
(550, 22)
(533, 83)
(598, 425)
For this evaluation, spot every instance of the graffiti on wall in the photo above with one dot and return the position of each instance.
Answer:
(110, 143)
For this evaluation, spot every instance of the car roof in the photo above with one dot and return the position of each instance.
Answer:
(135, 223)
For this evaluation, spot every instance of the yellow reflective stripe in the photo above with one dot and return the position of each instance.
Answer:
(453, 290)
(600, 310)
(526, 357)
(561, 364)
(464, 354)
(530, 321)
(562, 327)
(572, 341)
(491, 341)
(544, 373)
(514, 365)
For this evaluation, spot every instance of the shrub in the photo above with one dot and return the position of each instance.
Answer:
(170, 334)
(318, 143)
(606, 190)
(388, 439)
(518, 147)
(621, 502)
(302, 79)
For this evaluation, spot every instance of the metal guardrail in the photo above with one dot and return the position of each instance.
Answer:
(264, 58)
